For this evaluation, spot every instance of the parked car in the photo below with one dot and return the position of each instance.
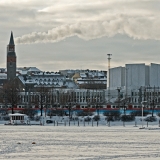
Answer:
(49, 121)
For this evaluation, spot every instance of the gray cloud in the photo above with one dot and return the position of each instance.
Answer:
(136, 19)
(128, 29)
(137, 28)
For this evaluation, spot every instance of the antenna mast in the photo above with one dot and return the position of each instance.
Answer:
(108, 83)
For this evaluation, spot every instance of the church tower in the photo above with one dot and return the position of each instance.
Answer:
(11, 59)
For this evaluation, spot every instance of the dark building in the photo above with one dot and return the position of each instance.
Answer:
(11, 59)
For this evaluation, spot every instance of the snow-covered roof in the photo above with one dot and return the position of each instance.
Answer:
(48, 73)
(34, 69)
(17, 114)
(48, 81)
(83, 75)
(3, 76)
(21, 79)
(70, 84)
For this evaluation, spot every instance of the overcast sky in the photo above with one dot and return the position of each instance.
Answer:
(78, 34)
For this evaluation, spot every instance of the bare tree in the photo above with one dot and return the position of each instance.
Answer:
(41, 94)
(70, 101)
(29, 112)
(152, 98)
(88, 100)
(11, 93)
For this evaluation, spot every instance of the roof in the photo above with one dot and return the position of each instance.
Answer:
(33, 69)
(3, 75)
(76, 75)
(17, 114)
(11, 42)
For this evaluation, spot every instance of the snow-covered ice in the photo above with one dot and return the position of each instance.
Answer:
(79, 143)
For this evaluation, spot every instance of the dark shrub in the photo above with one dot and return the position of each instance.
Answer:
(29, 112)
(37, 118)
(109, 118)
(96, 118)
(55, 112)
(87, 119)
(158, 114)
(127, 118)
(112, 115)
(6, 118)
(3, 112)
(85, 113)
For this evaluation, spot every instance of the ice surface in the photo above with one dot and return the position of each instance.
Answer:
(79, 143)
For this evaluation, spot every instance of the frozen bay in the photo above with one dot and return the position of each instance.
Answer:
(78, 143)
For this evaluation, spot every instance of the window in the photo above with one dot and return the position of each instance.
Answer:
(10, 64)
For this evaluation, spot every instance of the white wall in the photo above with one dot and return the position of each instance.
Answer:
(117, 77)
(155, 75)
(147, 77)
(135, 75)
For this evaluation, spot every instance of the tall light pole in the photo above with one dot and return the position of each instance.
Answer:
(126, 82)
(118, 89)
(142, 103)
(108, 76)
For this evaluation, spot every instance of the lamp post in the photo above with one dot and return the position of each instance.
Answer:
(12, 100)
(118, 89)
(142, 103)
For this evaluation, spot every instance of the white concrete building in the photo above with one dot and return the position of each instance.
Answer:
(117, 77)
(135, 75)
(154, 75)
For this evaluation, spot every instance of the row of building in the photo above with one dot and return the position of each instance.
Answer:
(131, 84)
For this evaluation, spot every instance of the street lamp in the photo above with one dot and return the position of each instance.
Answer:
(142, 103)
(118, 89)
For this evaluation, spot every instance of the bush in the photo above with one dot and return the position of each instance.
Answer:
(55, 112)
(87, 119)
(84, 113)
(109, 118)
(6, 118)
(96, 118)
(112, 115)
(127, 118)
(3, 112)
(37, 118)
(158, 114)
(29, 112)
(139, 113)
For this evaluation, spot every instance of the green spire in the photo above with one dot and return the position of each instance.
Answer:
(11, 42)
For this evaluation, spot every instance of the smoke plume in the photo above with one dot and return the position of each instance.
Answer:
(135, 27)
